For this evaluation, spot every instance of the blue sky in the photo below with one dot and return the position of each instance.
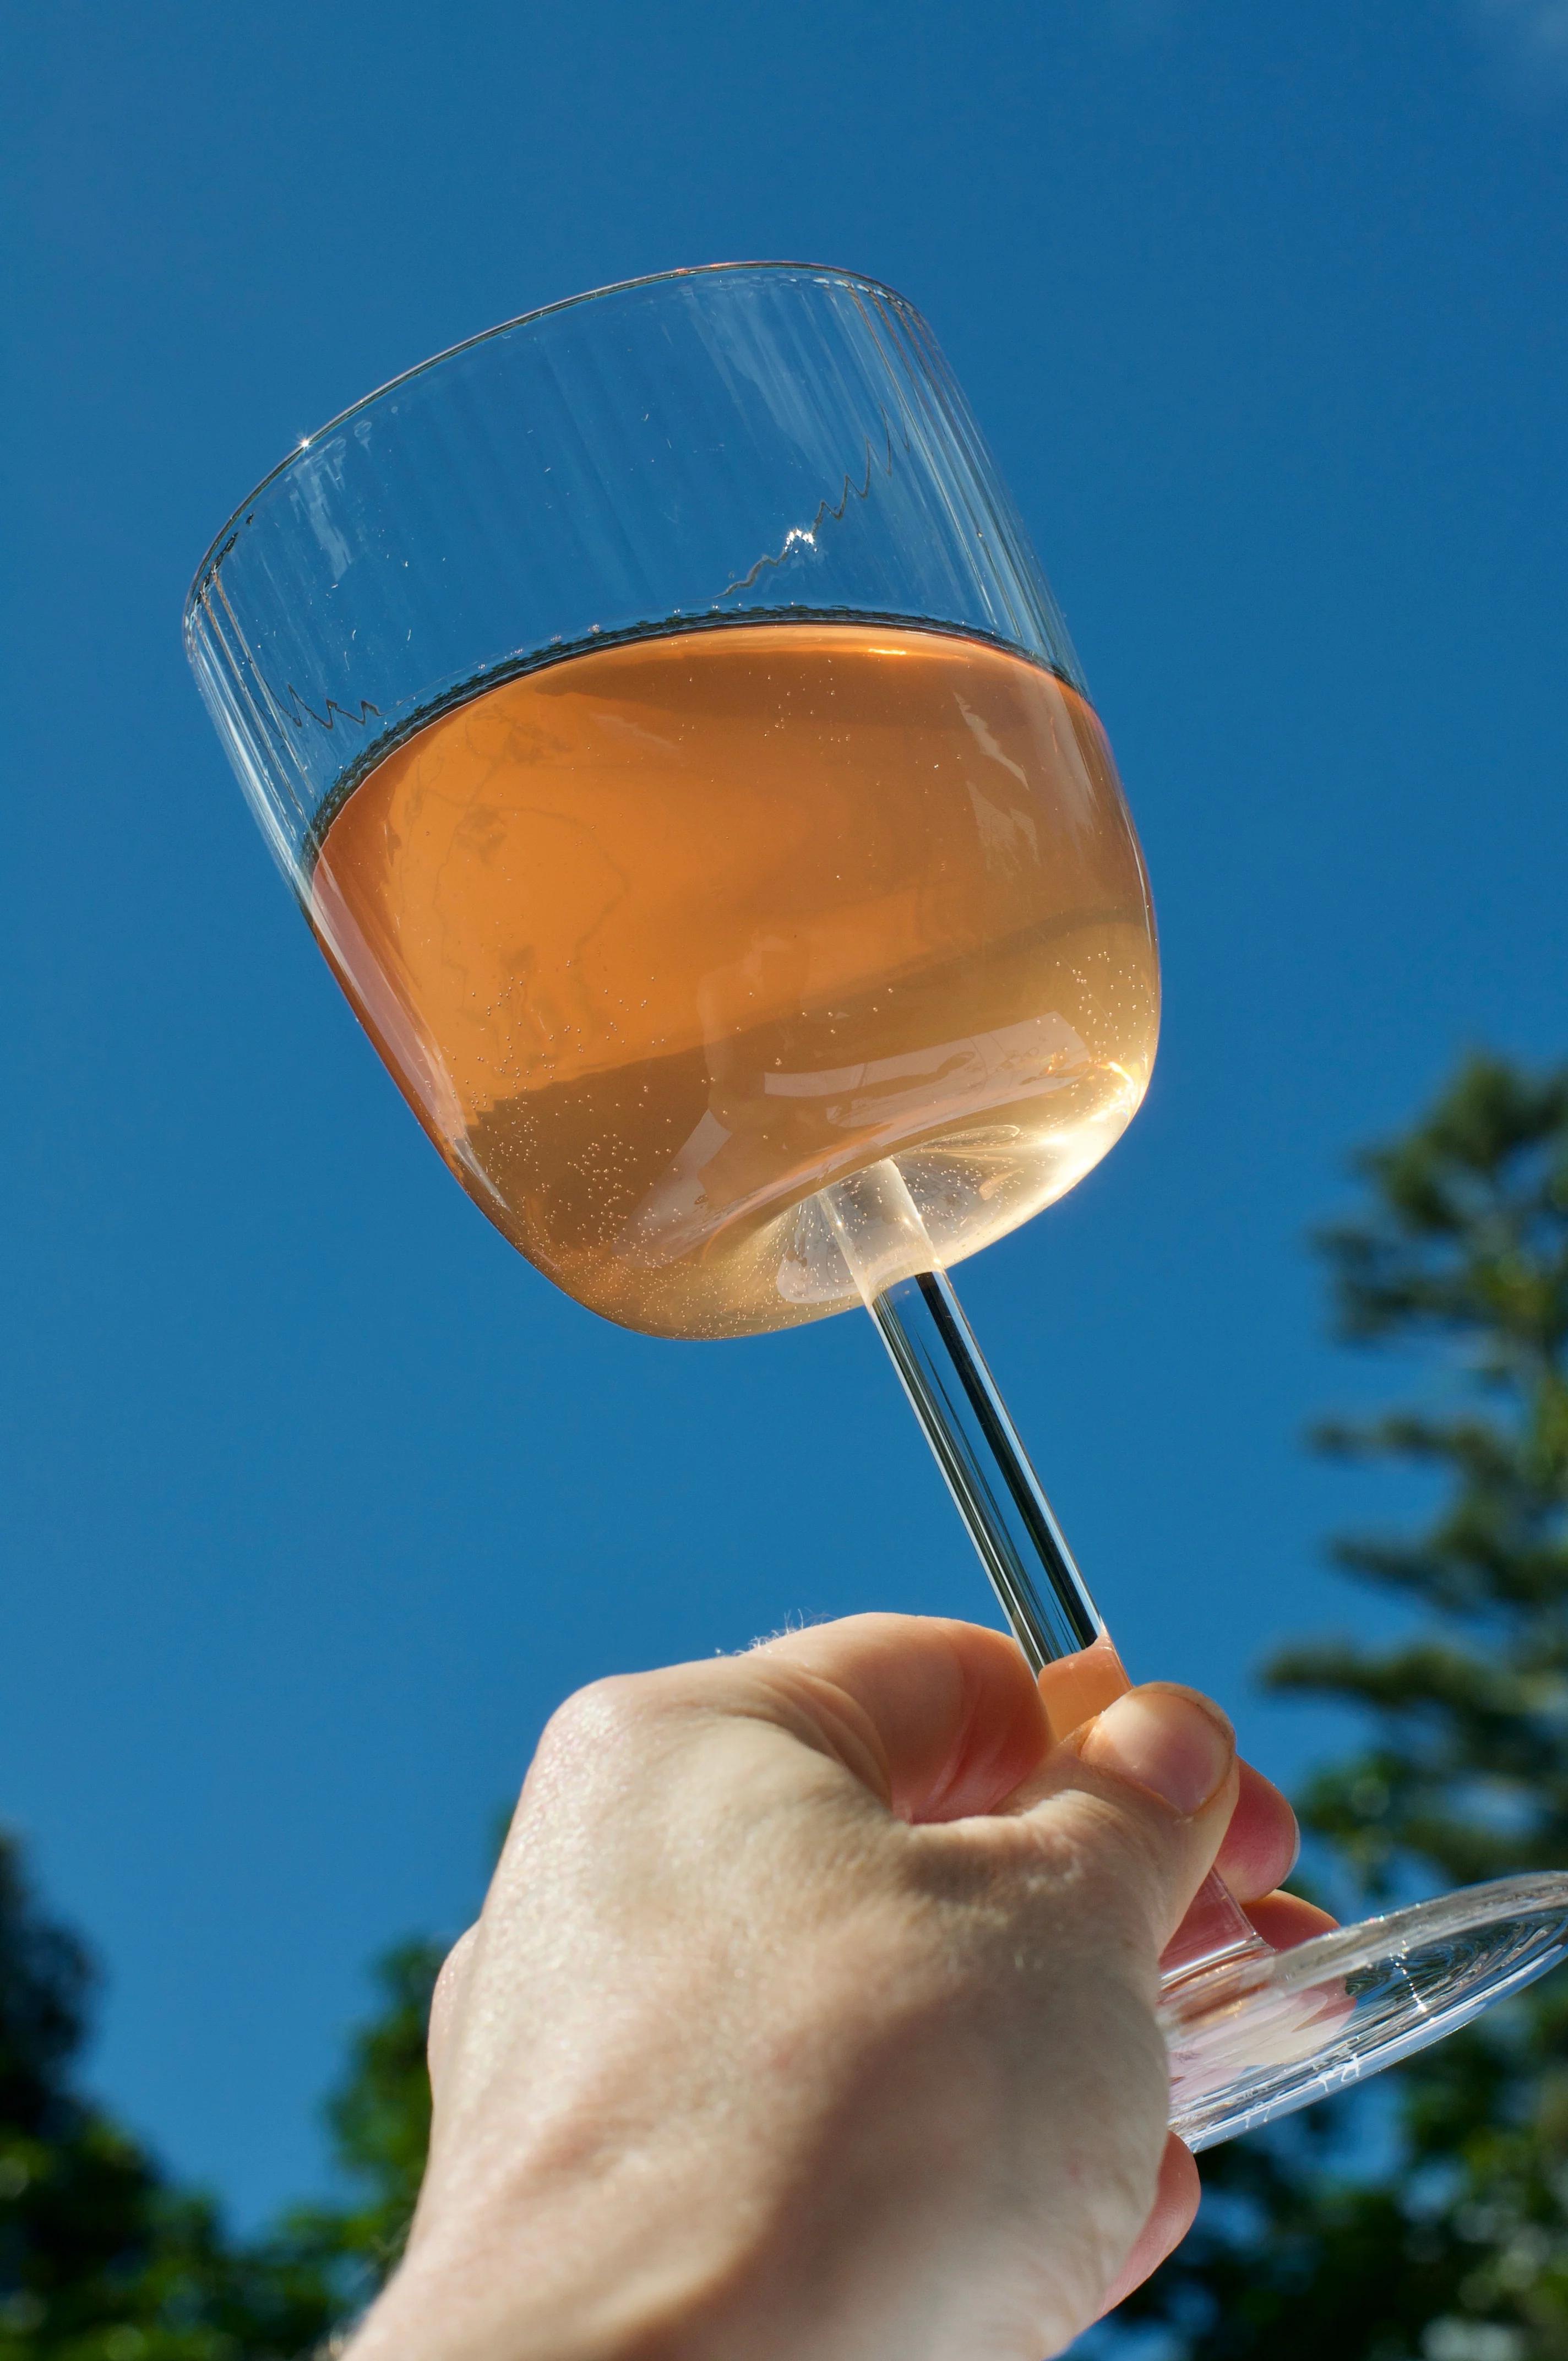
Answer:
(318, 1498)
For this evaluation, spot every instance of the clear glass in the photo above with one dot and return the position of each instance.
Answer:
(658, 710)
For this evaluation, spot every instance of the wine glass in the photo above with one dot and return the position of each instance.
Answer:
(657, 709)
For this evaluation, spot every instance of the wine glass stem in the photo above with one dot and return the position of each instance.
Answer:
(999, 1496)
(966, 1422)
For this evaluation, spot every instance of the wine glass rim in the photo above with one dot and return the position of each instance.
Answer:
(234, 524)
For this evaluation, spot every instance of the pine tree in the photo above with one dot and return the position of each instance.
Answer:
(1458, 2249)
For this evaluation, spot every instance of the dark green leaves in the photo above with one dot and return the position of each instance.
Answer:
(1451, 2244)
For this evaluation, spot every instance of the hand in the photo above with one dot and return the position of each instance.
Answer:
(811, 2011)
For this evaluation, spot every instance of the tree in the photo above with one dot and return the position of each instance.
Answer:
(380, 2121)
(1458, 2249)
(100, 2257)
(104, 2259)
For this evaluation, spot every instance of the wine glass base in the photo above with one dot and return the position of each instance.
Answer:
(1255, 2037)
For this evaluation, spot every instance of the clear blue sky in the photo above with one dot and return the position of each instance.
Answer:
(317, 1498)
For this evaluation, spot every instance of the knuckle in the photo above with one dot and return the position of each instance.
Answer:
(591, 1720)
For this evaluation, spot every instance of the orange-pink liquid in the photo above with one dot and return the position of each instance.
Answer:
(660, 939)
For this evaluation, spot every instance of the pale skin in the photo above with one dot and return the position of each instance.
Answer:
(811, 2011)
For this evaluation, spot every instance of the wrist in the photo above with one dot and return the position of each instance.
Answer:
(602, 2280)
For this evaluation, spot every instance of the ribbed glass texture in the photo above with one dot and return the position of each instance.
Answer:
(748, 442)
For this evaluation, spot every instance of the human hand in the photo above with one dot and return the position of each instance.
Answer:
(811, 2010)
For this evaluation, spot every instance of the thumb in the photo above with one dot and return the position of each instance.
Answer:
(1146, 1790)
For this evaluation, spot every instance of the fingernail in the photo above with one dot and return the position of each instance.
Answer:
(1164, 1740)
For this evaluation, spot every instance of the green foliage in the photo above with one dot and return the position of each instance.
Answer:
(379, 2118)
(100, 2258)
(1458, 2249)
